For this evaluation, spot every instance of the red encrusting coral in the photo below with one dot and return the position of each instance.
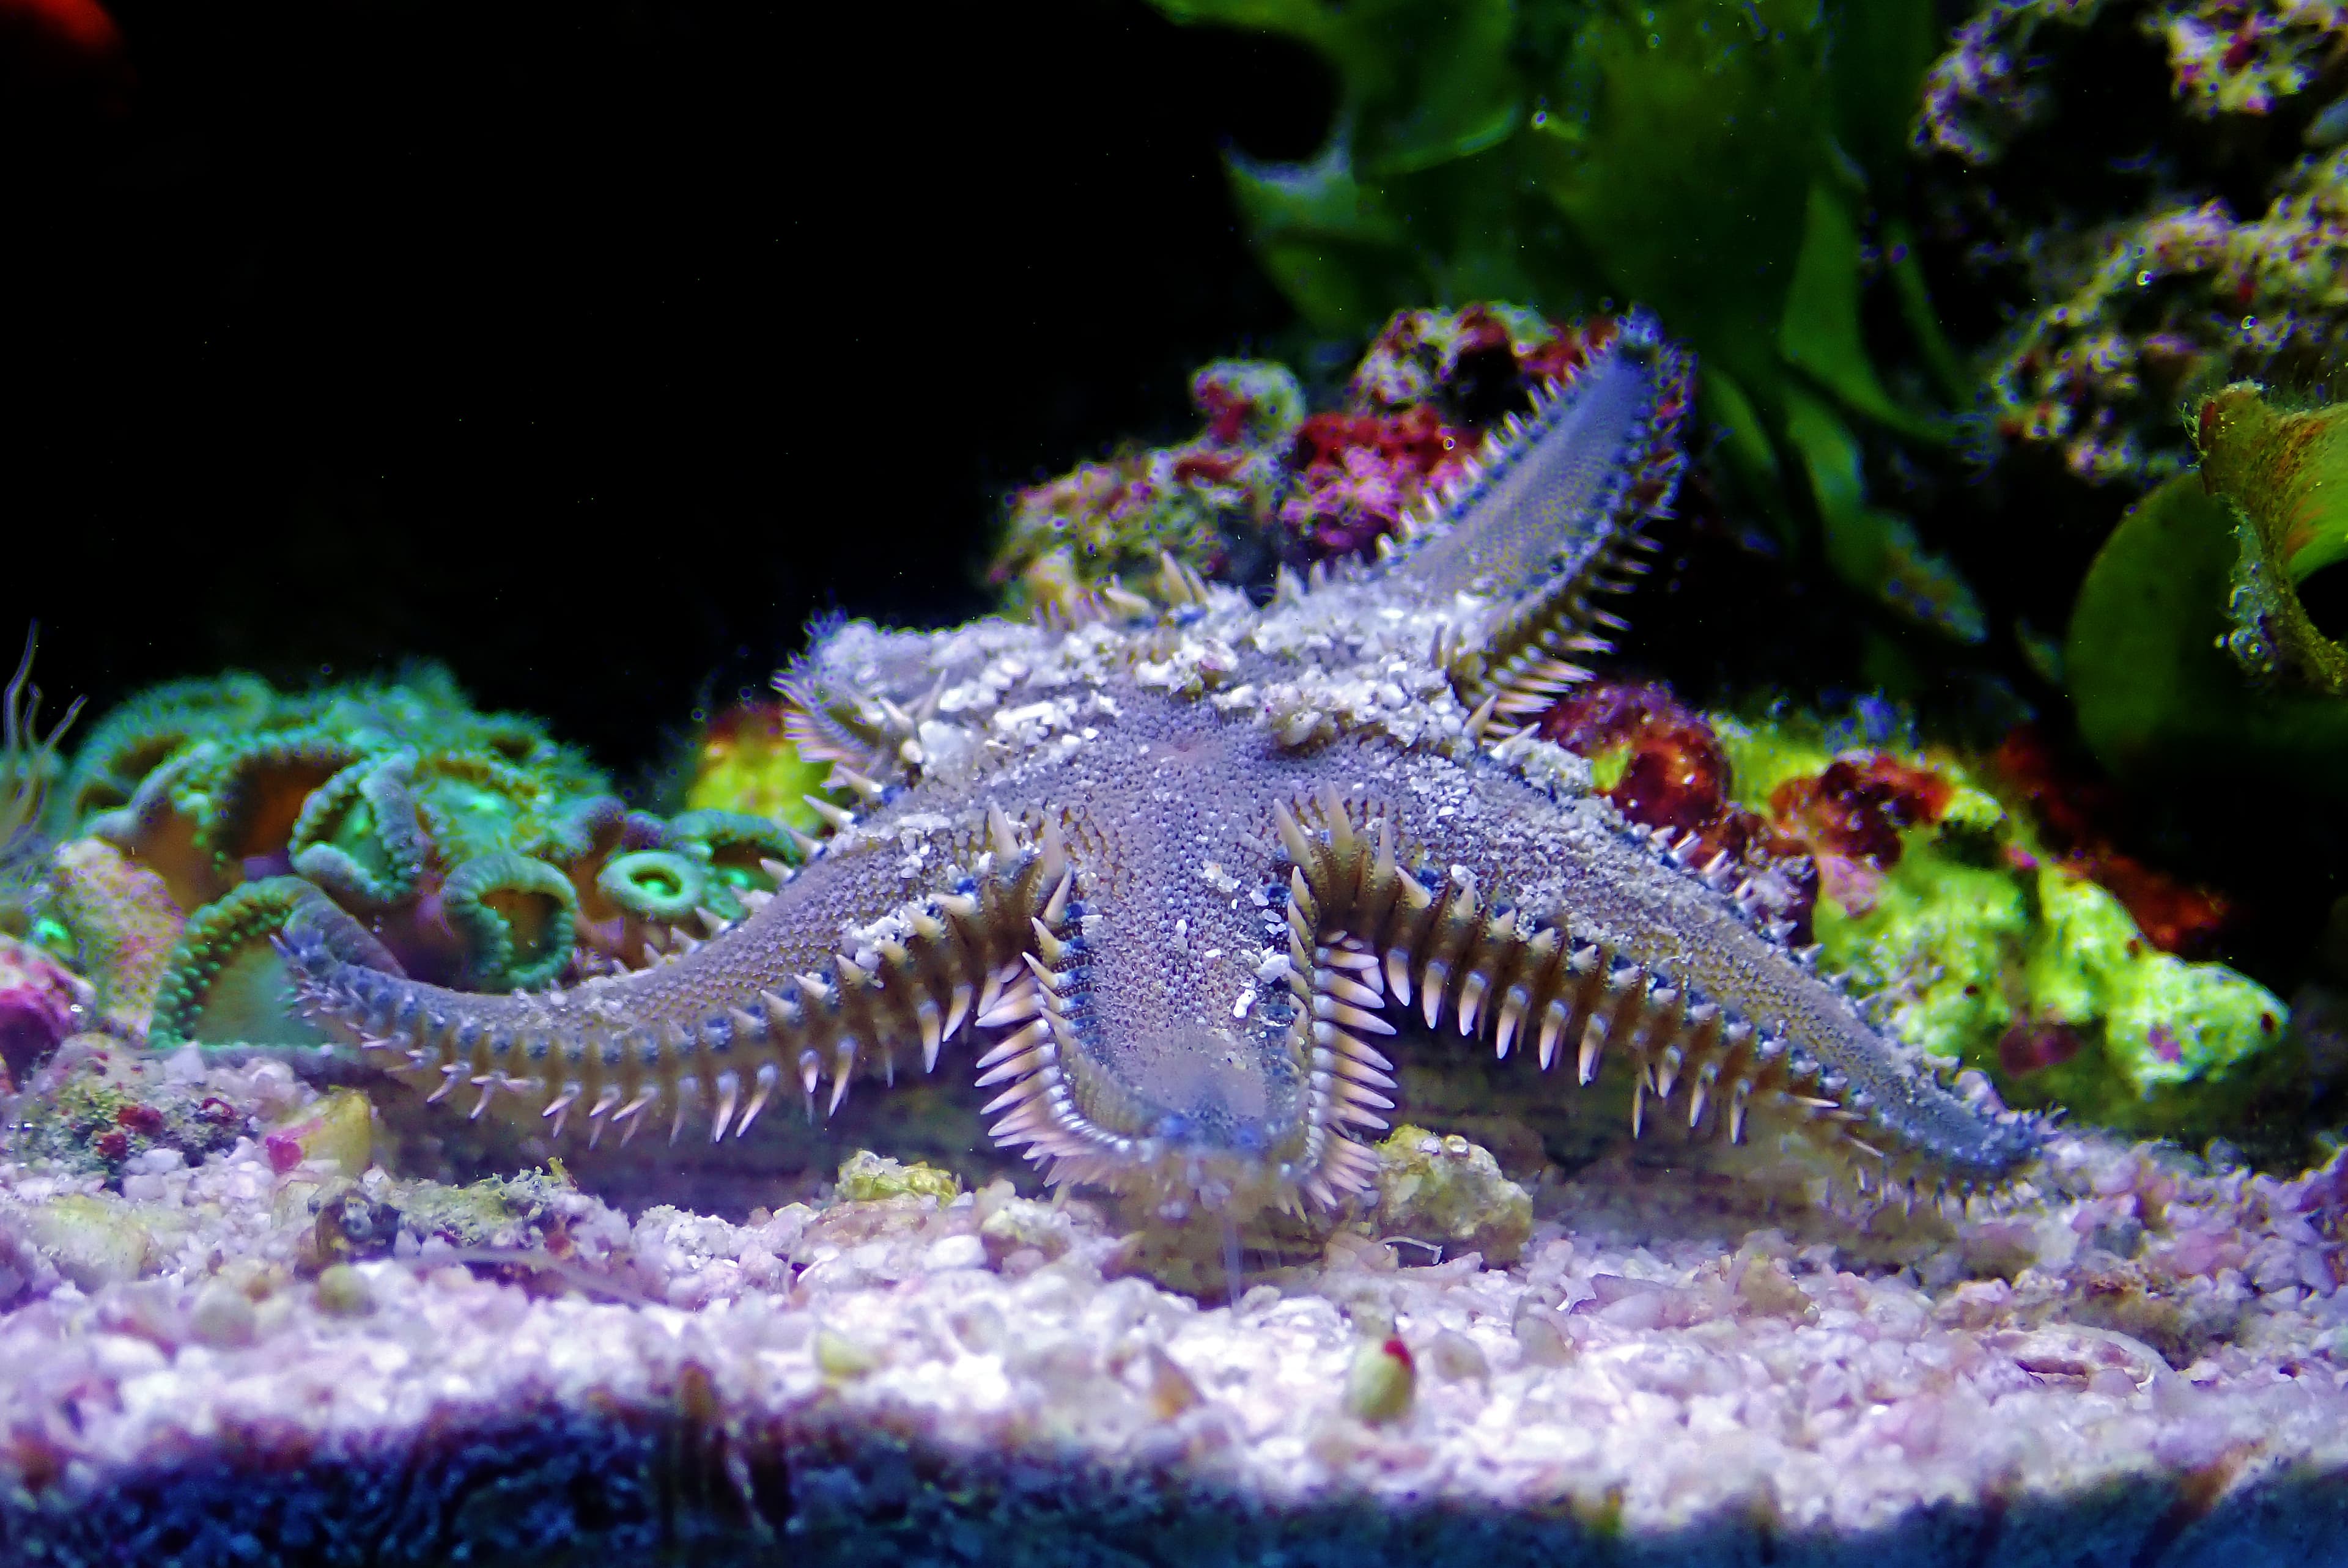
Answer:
(2175, 916)
(1857, 807)
(1851, 816)
(1674, 774)
(1842, 827)
(2033, 1045)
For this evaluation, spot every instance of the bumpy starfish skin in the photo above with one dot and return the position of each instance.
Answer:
(1174, 867)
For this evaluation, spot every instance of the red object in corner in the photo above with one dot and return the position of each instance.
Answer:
(63, 53)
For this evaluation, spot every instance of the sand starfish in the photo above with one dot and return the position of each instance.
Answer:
(1174, 867)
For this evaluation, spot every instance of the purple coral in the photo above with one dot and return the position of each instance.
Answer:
(40, 998)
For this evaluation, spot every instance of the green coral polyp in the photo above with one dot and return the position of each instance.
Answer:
(519, 916)
(665, 885)
(359, 836)
(225, 983)
(130, 743)
(472, 805)
(737, 849)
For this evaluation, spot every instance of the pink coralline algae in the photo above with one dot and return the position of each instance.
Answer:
(38, 1001)
(1359, 474)
(1427, 389)
(125, 927)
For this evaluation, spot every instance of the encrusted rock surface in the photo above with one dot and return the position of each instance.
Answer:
(2149, 1367)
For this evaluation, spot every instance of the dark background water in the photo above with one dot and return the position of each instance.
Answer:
(589, 347)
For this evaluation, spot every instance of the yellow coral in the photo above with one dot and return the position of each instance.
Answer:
(747, 765)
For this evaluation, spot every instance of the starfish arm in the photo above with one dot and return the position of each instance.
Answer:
(1551, 517)
(1478, 898)
(897, 935)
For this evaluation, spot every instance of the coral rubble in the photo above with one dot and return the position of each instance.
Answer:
(2160, 276)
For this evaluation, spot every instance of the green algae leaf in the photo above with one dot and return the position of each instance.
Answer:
(1819, 333)
(1745, 448)
(1956, 383)
(1873, 550)
(1422, 81)
(1460, 94)
(1304, 19)
(1876, 61)
(1688, 171)
(1706, 159)
(1327, 240)
(2157, 697)
(1477, 235)
(2285, 475)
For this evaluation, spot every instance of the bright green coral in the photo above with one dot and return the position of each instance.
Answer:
(746, 766)
(136, 738)
(665, 884)
(359, 835)
(1994, 953)
(737, 850)
(478, 848)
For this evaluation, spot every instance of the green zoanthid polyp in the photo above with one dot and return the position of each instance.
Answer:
(1169, 869)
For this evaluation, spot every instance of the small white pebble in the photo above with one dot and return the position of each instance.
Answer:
(954, 1252)
(222, 1316)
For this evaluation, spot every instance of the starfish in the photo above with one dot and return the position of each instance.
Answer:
(1172, 867)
